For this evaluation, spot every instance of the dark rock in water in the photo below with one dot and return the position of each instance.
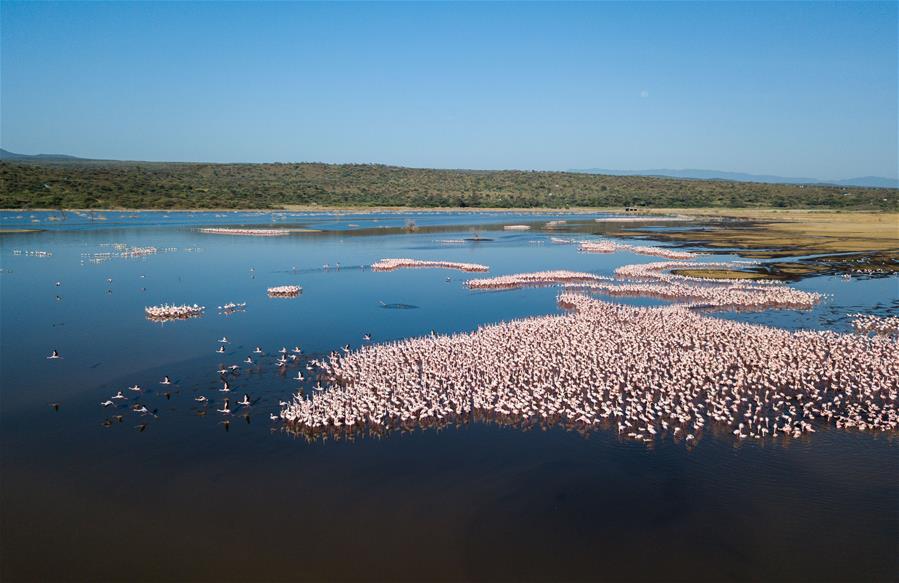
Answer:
(398, 306)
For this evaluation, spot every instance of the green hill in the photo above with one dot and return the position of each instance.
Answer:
(104, 184)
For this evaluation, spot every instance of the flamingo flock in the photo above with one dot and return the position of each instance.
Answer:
(601, 246)
(404, 263)
(865, 323)
(647, 373)
(655, 280)
(173, 312)
(245, 232)
(227, 374)
(125, 251)
(232, 307)
(538, 278)
(606, 246)
(129, 251)
(122, 251)
(284, 291)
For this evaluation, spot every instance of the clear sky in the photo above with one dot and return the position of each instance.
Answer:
(801, 89)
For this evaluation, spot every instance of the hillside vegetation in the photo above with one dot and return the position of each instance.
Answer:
(97, 184)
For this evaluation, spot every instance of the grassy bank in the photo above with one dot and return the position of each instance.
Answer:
(795, 232)
(841, 242)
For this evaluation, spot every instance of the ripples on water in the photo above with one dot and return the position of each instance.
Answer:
(88, 497)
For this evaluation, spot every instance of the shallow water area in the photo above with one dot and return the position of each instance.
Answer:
(177, 493)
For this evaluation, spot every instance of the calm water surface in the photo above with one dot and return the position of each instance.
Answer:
(189, 498)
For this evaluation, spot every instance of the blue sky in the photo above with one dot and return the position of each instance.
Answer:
(799, 89)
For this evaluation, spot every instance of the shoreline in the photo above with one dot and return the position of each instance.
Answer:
(739, 212)
(796, 242)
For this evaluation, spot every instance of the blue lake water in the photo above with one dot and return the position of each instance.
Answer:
(188, 497)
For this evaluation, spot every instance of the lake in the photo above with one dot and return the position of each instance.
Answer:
(179, 494)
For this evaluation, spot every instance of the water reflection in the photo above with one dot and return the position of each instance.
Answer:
(470, 498)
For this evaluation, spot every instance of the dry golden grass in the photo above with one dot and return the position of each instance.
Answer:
(870, 240)
(793, 233)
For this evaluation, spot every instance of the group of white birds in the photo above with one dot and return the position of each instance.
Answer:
(656, 280)
(245, 232)
(405, 263)
(883, 325)
(643, 372)
(173, 312)
(284, 291)
(227, 374)
(608, 246)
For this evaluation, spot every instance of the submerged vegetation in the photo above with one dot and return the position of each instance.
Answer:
(109, 184)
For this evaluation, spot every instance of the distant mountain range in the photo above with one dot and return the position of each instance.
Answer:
(7, 155)
(869, 181)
